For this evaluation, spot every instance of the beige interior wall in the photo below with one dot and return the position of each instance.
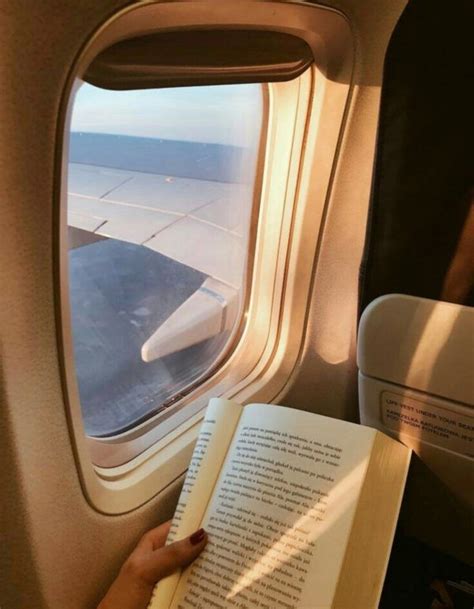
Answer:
(327, 374)
(57, 552)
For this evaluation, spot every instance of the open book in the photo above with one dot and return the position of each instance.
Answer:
(300, 510)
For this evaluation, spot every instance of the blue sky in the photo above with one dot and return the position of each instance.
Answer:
(226, 114)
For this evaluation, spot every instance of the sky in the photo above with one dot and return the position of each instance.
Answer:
(224, 114)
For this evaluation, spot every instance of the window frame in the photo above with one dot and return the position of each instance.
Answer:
(286, 246)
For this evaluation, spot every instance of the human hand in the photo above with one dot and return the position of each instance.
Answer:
(147, 564)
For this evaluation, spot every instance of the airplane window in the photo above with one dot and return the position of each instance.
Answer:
(160, 194)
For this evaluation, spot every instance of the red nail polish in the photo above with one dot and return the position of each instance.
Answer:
(197, 537)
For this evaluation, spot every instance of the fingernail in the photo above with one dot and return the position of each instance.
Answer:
(197, 537)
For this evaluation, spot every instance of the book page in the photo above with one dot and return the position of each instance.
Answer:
(212, 444)
(281, 513)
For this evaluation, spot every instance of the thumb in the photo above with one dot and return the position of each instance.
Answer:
(166, 560)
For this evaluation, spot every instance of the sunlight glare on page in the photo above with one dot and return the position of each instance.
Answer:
(342, 498)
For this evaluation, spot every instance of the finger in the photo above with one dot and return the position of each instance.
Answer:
(156, 538)
(176, 556)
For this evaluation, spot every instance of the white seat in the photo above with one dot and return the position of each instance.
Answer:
(416, 382)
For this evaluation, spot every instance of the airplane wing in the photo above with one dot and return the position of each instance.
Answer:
(199, 223)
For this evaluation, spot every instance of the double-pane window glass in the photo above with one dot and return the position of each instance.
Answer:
(160, 195)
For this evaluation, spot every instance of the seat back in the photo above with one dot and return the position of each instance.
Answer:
(416, 383)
